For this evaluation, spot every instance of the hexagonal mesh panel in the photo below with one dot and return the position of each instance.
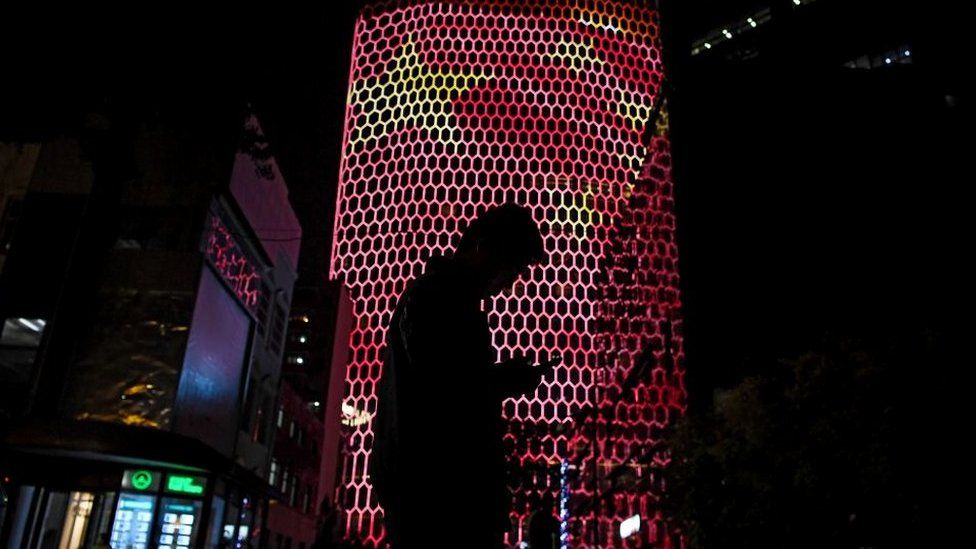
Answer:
(457, 106)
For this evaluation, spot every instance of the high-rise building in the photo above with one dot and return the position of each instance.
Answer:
(457, 106)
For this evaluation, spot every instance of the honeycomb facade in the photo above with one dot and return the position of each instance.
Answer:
(457, 106)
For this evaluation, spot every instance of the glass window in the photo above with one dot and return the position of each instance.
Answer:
(76, 520)
(216, 520)
(133, 520)
(273, 474)
(179, 523)
(276, 337)
(19, 342)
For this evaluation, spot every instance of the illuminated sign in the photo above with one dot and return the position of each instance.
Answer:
(630, 526)
(178, 523)
(233, 264)
(133, 518)
(184, 484)
(141, 480)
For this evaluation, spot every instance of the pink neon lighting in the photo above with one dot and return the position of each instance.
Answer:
(229, 260)
(456, 106)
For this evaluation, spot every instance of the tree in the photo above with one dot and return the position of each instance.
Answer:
(849, 445)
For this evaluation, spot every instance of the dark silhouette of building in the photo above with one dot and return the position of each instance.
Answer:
(149, 257)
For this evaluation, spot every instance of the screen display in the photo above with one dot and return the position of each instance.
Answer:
(207, 397)
(133, 519)
(178, 523)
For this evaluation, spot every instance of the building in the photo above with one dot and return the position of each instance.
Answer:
(310, 398)
(149, 261)
(454, 107)
(292, 517)
(304, 465)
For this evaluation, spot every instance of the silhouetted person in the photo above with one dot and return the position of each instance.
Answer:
(441, 485)
(543, 525)
(326, 535)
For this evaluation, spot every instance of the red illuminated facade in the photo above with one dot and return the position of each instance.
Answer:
(229, 259)
(457, 106)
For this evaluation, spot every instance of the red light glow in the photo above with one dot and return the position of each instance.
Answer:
(457, 106)
(229, 260)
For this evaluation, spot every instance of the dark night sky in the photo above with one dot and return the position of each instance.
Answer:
(815, 201)
(811, 200)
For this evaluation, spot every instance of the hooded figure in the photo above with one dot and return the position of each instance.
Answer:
(438, 463)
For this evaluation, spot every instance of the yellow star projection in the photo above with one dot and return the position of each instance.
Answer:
(413, 96)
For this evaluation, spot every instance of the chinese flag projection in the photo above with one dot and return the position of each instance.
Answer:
(457, 106)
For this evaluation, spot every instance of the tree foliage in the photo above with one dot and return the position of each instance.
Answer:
(853, 444)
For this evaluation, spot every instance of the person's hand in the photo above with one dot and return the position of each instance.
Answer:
(547, 365)
(521, 376)
(518, 375)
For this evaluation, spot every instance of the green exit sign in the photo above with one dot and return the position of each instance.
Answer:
(141, 480)
(185, 484)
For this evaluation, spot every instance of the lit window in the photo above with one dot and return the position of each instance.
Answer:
(25, 332)
(273, 473)
(19, 343)
(281, 416)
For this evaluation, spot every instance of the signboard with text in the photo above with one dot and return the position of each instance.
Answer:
(186, 484)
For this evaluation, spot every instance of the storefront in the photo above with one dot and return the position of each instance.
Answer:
(133, 498)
